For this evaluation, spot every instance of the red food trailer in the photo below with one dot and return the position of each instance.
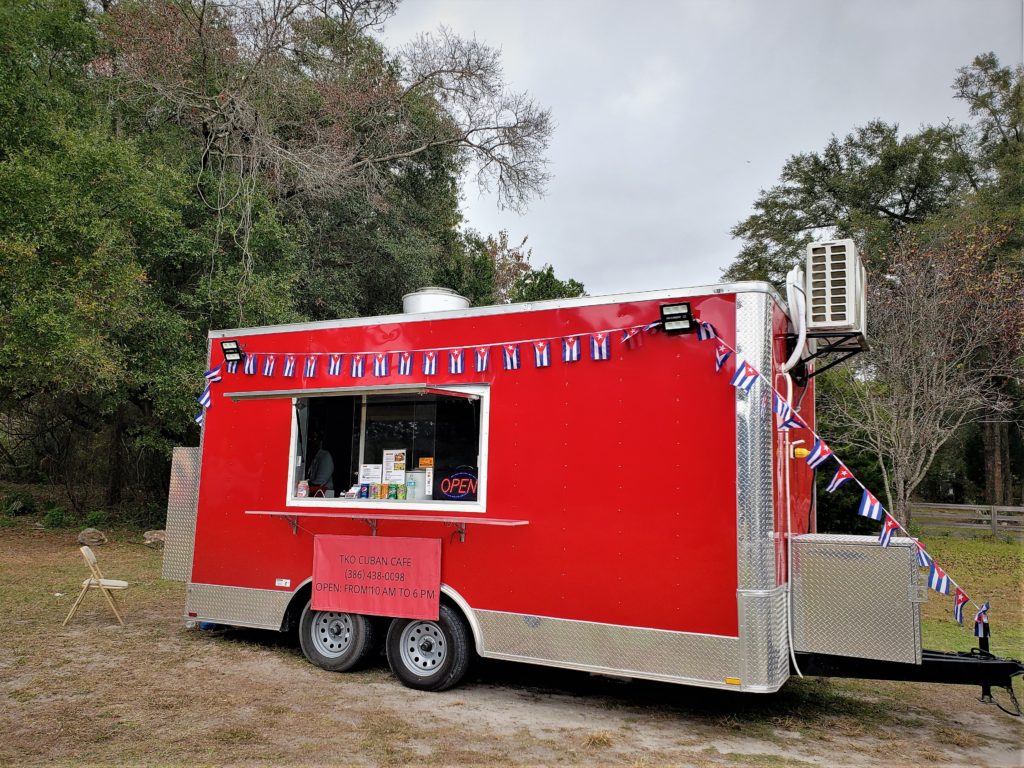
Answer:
(566, 483)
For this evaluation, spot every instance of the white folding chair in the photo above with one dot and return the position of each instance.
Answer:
(96, 581)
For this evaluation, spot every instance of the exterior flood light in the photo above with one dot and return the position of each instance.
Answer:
(232, 352)
(676, 318)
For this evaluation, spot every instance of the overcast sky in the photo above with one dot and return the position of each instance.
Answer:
(671, 116)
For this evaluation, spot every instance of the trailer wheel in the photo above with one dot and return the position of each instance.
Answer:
(430, 655)
(333, 641)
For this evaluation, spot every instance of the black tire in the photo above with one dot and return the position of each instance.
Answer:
(430, 655)
(337, 642)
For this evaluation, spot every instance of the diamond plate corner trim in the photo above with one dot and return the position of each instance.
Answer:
(764, 639)
(852, 597)
(237, 606)
(182, 502)
(762, 605)
(652, 654)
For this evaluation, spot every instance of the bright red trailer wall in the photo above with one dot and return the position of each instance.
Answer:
(625, 470)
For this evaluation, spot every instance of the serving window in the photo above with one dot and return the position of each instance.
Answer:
(419, 447)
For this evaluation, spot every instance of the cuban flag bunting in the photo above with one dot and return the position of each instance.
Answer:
(510, 357)
(842, 475)
(705, 331)
(482, 356)
(629, 333)
(820, 453)
(722, 353)
(405, 363)
(542, 353)
(870, 507)
(938, 580)
(269, 361)
(380, 363)
(334, 365)
(358, 367)
(787, 418)
(600, 346)
(889, 527)
(250, 365)
(213, 374)
(232, 366)
(309, 371)
(652, 327)
(960, 599)
(456, 360)
(570, 349)
(924, 560)
(981, 628)
(206, 399)
(745, 376)
(429, 363)
(289, 365)
(200, 418)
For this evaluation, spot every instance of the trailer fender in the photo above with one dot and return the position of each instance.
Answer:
(467, 613)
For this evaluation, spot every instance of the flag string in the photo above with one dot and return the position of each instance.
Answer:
(714, 335)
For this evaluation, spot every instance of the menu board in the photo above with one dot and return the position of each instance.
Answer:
(394, 467)
(370, 473)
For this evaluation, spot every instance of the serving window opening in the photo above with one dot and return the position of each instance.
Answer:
(411, 447)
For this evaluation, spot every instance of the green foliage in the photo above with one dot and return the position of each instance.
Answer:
(55, 517)
(541, 284)
(95, 519)
(17, 504)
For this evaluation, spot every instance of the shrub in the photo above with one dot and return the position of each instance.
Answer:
(55, 517)
(95, 519)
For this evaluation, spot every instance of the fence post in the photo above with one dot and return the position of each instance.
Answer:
(995, 521)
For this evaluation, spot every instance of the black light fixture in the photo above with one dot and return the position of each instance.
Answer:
(677, 318)
(232, 352)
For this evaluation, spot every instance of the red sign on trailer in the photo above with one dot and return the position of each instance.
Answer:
(393, 576)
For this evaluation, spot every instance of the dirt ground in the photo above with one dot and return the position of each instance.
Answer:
(155, 692)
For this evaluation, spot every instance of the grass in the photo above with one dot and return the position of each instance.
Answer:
(154, 692)
(986, 569)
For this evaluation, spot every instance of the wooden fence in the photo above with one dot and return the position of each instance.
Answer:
(969, 519)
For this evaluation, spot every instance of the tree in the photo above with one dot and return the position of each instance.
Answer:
(947, 329)
(541, 284)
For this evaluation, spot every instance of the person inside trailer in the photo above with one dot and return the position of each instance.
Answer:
(321, 469)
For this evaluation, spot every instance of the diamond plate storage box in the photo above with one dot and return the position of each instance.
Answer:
(181, 513)
(852, 597)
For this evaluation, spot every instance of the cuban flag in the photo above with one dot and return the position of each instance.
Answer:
(213, 374)
(629, 333)
(960, 599)
(820, 453)
(600, 347)
(924, 560)
(705, 331)
(380, 364)
(200, 418)
(745, 376)
(787, 419)
(289, 365)
(938, 580)
(310, 369)
(456, 361)
(334, 365)
(842, 475)
(870, 507)
(269, 361)
(981, 628)
(482, 358)
(250, 365)
(570, 349)
(405, 363)
(722, 353)
(510, 357)
(358, 367)
(889, 527)
(232, 366)
(206, 399)
(542, 354)
(429, 363)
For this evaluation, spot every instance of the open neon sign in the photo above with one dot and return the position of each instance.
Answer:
(459, 485)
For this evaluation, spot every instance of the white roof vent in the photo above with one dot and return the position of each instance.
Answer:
(433, 299)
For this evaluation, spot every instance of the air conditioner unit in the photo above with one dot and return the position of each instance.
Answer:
(836, 299)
